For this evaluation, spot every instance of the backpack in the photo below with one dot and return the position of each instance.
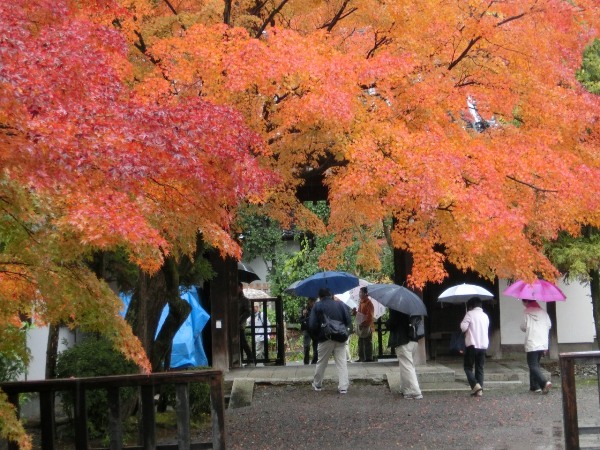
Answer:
(416, 328)
(334, 330)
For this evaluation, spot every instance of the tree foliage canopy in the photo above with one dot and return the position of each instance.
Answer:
(372, 95)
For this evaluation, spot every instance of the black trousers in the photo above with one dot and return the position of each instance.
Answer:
(536, 379)
(474, 357)
(365, 348)
(246, 348)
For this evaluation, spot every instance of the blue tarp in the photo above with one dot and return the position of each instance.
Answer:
(187, 344)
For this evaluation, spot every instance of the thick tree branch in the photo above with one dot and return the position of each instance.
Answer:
(535, 188)
(269, 19)
(510, 19)
(473, 41)
(341, 14)
(464, 53)
(379, 42)
(227, 13)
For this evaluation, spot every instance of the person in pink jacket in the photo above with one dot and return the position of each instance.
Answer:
(475, 325)
(536, 324)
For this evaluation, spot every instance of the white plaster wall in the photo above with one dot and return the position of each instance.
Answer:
(574, 316)
(511, 313)
(259, 266)
(37, 341)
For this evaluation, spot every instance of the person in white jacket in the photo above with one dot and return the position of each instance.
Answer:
(536, 324)
(475, 325)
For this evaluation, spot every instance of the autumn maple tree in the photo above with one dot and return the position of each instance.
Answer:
(125, 125)
(373, 97)
(87, 165)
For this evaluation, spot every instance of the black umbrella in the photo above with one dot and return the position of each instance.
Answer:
(398, 298)
(246, 274)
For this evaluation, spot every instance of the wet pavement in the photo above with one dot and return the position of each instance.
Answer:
(279, 401)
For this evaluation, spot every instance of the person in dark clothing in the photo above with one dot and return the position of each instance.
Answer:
(337, 311)
(244, 312)
(308, 340)
(398, 325)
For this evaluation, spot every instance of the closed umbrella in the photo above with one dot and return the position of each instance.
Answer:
(398, 298)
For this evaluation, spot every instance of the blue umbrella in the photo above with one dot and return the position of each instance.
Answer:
(336, 282)
(398, 298)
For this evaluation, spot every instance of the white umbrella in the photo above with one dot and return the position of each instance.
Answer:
(256, 293)
(463, 292)
(351, 299)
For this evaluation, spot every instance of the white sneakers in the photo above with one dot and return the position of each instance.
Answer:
(413, 396)
(476, 390)
(547, 388)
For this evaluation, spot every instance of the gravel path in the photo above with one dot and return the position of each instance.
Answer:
(370, 417)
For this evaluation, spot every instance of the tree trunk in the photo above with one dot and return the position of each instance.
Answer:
(52, 351)
(150, 296)
(179, 310)
(595, 291)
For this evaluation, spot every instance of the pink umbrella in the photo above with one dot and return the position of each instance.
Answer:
(539, 290)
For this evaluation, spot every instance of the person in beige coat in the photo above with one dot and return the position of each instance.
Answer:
(536, 324)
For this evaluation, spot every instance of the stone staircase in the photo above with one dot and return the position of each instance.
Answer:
(435, 376)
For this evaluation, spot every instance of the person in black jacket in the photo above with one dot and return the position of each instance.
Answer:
(327, 306)
(308, 340)
(398, 325)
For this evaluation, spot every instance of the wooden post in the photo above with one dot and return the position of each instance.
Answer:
(280, 332)
(81, 431)
(47, 419)
(569, 400)
(148, 431)
(115, 425)
(182, 410)
(217, 408)
(13, 397)
(222, 288)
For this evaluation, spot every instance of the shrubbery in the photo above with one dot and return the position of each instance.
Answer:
(199, 398)
(95, 357)
(91, 358)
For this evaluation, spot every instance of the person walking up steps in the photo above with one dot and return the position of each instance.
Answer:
(475, 325)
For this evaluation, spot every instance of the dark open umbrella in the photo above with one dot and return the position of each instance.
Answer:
(398, 298)
(246, 274)
(336, 282)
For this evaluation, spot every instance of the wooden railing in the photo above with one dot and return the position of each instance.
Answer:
(569, 395)
(112, 384)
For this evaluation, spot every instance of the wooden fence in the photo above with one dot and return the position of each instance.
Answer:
(569, 397)
(147, 385)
